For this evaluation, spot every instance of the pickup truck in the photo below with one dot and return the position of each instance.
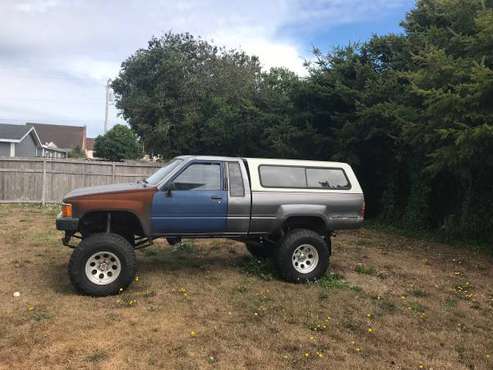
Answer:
(286, 210)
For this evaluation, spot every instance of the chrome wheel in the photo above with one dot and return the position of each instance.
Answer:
(103, 268)
(305, 258)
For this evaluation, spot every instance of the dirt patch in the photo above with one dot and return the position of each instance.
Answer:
(388, 302)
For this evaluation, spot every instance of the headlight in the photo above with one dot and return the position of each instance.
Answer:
(66, 210)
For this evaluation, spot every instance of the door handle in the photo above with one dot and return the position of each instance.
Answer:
(216, 197)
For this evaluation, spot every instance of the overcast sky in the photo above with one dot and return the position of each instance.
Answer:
(56, 55)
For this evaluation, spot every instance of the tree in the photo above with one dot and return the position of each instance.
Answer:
(411, 112)
(77, 152)
(117, 144)
(186, 95)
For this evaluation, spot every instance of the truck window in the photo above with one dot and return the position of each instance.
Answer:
(199, 176)
(282, 177)
(327, 178)
(303, 177)
(236, 187)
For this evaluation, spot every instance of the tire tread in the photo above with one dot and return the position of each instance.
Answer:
(286, 248)
(78, 257)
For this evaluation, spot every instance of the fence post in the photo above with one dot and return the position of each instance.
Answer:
(113, 174)
(43, 184)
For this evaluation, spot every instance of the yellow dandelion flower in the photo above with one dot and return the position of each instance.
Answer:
(370, 330)
(307, 354)
(136, 278)
(358, 349)
(312, 338)
(193, 334)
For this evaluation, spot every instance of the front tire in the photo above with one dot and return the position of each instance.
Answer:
(102, 264)
(303, 256)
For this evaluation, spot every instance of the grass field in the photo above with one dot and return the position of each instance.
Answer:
(389, 302)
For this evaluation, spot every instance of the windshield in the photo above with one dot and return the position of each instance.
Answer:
(160, 174)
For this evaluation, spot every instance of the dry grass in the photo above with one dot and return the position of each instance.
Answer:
(389, 302)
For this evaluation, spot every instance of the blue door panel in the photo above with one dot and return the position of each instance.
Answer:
(189, 212)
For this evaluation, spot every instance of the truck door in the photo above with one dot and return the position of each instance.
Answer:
(194, 201)
(240, 198)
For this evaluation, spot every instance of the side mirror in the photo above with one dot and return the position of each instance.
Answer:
(168, 188)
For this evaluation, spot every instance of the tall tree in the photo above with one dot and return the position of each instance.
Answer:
(186, 95)
(117, 144)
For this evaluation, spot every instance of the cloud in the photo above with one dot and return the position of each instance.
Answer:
(37, 6)
(55, 56)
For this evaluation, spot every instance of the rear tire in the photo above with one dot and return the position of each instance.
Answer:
(262, 249)
(303, 256)
(102, 264)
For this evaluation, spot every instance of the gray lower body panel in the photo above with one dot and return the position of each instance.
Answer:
(338, 210)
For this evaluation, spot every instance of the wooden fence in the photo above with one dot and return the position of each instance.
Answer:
(44, 180)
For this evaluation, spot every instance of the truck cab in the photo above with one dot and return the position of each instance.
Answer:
(272, 205)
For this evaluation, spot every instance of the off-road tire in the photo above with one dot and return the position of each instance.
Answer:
(285, 255)
(262, 250)
(113, 243)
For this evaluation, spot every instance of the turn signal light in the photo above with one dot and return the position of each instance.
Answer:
(66, 210)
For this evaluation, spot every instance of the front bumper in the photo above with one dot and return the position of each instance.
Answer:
(67, 223)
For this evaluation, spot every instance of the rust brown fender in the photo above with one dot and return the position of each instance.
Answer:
(135, 200)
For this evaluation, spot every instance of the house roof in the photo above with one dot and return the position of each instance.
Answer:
(10, 132)
(67, 137)
(90, 143)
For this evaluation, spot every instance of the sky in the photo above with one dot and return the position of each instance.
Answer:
(56, 55)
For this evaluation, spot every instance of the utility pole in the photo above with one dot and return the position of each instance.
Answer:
(108, 98)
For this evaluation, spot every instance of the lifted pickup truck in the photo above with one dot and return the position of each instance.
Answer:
(282, 209)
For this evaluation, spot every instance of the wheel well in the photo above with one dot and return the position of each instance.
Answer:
(121, 222)
(314, 223)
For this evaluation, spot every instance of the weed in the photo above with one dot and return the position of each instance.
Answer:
(356, 289)
(362, 269)
(41, 315)
(416, 307)
(149, 294)
(419, 293)
(148, 252)
(257, 267)
(241, 289)
(333, 281)
(126, 300)
(450, 303)
(97, 356)
(185, 247)
(384, 305)
(318, 326)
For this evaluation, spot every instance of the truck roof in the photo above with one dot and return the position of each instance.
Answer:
(291, 162)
